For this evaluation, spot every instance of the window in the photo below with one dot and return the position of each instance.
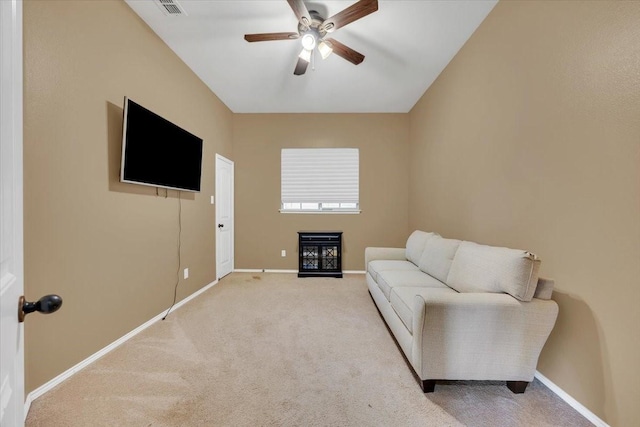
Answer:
(320, 180)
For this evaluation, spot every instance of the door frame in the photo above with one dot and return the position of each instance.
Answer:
(220, 158)
(11, 184)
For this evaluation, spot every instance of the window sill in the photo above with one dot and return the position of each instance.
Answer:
(354, 212)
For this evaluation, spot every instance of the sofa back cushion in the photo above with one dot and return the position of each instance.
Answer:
(481, 268)
(415, 245)
(437, 256)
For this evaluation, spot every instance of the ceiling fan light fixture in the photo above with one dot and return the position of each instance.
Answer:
(308, 41)
(325, 49)
(313, 28)
(306, 55)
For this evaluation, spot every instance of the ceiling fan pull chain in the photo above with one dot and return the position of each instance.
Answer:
(313, 60)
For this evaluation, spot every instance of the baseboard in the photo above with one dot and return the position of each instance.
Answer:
(571, 401)
(261, 270)
(89, 360)
(266, 270)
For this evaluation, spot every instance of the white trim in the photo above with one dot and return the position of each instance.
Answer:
(89, 360)
(571, 401)
(291, 211)
(266, 270)
(262, 270)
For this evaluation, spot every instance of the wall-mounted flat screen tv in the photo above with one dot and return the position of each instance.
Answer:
(158, 153)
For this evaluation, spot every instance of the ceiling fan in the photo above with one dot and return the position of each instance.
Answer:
(313, 30)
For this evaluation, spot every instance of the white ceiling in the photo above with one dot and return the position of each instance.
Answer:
(406, 45)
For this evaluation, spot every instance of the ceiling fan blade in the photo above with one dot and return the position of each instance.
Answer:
(270, 36)
(301, 67)
(301, 12)
(350, 14)
(345, 52)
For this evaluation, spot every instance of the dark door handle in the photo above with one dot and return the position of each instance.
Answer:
(220, 225)
(46, 305)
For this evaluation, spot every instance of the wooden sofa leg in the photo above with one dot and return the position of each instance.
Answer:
(517, 386)
(428, 386)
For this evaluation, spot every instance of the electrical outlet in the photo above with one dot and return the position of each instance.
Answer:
(283, 253)
(186, 273)
(211, 199)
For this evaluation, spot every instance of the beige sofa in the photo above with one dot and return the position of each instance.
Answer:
(463, 311)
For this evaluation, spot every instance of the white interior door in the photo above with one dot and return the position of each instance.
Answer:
(11, 257)
(224, 216)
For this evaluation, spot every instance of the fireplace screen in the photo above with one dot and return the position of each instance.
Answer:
(320, 253)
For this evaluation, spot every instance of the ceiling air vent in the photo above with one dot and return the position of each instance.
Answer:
(171, 7)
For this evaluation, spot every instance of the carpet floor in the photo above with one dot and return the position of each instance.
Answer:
(275, 350)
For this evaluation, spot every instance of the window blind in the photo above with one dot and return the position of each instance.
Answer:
(320, 175)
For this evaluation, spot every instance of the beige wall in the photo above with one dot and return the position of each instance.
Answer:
(109, 249)
(531, 139)
(262, 232)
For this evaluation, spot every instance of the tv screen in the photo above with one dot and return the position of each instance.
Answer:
(158, 153)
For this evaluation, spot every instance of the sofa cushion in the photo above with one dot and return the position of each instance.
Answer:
(481, 268)
(402, 300)
(376, 266)
(415, 245)
(437, 256)
(390, 279)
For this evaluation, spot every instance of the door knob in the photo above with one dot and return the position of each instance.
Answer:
(47, 304)
(220, 225)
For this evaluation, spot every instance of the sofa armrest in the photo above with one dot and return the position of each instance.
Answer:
(475, 336)
(371, 254)
(544, 288)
